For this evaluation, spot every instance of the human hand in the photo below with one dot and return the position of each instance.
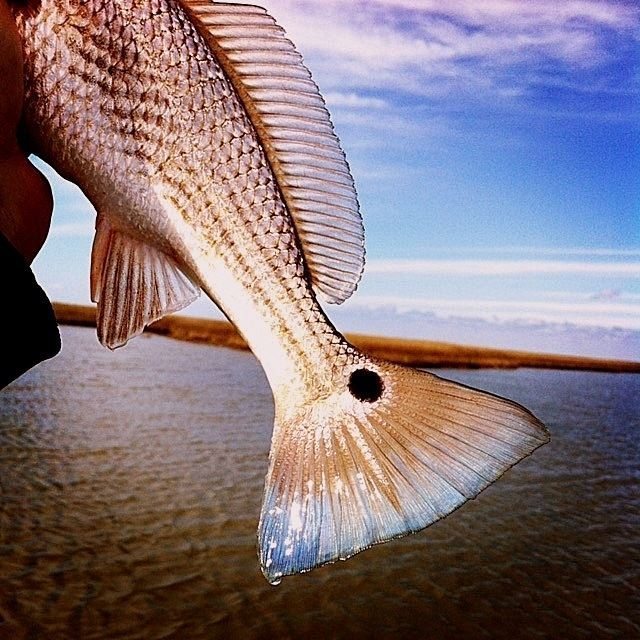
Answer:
(28, 330)
(26, 203)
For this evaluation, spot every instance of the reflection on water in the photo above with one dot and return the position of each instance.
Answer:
(130, 485)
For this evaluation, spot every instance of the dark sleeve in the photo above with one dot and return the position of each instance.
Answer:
(28, 329)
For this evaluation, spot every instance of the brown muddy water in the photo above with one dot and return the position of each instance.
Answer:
(130, 487)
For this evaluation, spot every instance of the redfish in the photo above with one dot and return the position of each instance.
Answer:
(198, 134)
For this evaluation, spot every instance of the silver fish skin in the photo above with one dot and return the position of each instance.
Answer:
(139, 104)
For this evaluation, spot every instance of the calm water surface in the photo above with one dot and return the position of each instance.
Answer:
(130, 487)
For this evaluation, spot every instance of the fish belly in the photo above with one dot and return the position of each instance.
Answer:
(133, 107)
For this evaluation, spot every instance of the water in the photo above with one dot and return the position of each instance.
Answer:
(130, 487)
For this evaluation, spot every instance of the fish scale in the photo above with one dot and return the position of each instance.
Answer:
(200, 138)
(236, 160)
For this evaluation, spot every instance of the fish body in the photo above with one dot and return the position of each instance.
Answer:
(198, 135)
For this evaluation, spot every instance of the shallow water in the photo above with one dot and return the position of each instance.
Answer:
(130, 487)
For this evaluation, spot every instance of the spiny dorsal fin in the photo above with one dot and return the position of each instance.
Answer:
(133, 284)
(295, 130)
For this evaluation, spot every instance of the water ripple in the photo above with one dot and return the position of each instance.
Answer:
(130, 485)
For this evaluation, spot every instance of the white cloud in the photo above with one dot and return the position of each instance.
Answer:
(607, 294)
(612, 295)
(599, 252)
(470, 268)
(432, 48)
(353, 100)
(516, 11)
(589, 314)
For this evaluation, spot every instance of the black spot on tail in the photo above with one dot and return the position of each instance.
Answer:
(366, 385)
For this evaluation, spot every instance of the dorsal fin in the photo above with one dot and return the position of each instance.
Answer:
(134, 284)
(295, 130)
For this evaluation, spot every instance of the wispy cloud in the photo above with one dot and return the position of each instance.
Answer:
(353, 100)
(578, 297)
(463, 43)
(607, 294)
(473, 268)
(590, 314)
(614, 14)
(592, 252)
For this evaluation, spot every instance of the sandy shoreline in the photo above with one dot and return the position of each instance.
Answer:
(417, 353)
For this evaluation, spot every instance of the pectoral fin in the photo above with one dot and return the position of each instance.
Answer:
(134, 284)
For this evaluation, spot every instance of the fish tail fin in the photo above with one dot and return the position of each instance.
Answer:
(389, 453)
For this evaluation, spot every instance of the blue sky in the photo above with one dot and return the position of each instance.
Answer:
(496, 151)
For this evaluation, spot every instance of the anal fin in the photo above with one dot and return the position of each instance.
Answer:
(133, 284)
